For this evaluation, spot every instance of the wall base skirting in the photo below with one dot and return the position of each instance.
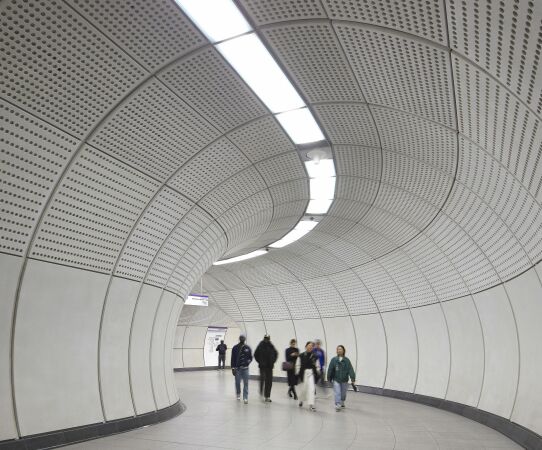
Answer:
(67, 436)
(197, 369)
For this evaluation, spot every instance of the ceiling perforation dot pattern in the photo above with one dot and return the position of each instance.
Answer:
(511, 56)
(152, 32)
(71, 88)
(33, 155)
(313, 55)
(160, 218)
(154, 131)
(206, 82)
(418, 78)
(425, 19)
(92, 213)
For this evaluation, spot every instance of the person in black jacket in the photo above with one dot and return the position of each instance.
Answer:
(241, 357)
(266, 354)
(221, 349)
(291, 354)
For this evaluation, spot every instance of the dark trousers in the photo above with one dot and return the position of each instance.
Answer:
(222, 359)
(266, 380)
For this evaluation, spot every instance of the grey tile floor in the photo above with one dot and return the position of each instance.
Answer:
(215, 420)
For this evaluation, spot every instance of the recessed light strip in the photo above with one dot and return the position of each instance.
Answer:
(241, 257)
(228, 30)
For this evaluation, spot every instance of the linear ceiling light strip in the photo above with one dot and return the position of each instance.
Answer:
(231, 34)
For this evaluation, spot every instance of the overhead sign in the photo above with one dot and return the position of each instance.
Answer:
(197, 300)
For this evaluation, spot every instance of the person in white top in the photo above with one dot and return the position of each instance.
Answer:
(307, 376)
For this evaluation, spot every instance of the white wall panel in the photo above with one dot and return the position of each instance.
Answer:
(467, 350)
(140, 371)
(114, 344)
(402, 351)
(339, 331)
(434, 348)
(158, 351)
(281, 331)
(309, 330)
(501, 350)
(178, 358)
(193, 357)
(174, 355)
(372, 350)
(56, 347)
(9, 275)
(194, 337)
(179, 336)
(255, 333)
(526, 297)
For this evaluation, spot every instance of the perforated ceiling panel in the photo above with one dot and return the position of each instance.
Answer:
(154, 131)
(261, 139)
(426, 19)
(264, 11)
(418, 75)
(208, 169)
(282, 168)
(313, 55)
(152, 32)
(162, 215)
(355, 295)
(510, 54)
(208, 84)
(348, 123)
(176, 244)
(33, 155)
(55, 85)
(92, 213)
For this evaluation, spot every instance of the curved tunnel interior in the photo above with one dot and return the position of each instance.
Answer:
(134, 157)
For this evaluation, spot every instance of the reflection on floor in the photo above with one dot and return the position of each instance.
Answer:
(215, 420)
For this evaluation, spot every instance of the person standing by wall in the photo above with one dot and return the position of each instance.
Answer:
(221, 349)
(291, 354)
(307, 376)
(266, 355)
(321, 359)
(241, 357)
(340, 369)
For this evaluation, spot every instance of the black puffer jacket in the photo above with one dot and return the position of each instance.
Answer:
(266, 354)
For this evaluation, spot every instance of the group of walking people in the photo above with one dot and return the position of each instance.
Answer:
(304, 370)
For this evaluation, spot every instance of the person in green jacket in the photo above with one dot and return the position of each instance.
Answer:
(340, 369)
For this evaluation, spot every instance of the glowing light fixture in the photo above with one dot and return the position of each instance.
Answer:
(241, 258)
(317, 206)
(226, 27)
(300, 230)
(322, 185)
(217, 19)
(253, 62)
(320, 169)
(300, 126)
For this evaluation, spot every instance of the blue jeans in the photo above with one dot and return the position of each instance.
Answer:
(339, 389)
(241, 374)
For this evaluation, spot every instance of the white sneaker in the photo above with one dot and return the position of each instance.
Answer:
(337, 408)
(246, 401)
(238, 398)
